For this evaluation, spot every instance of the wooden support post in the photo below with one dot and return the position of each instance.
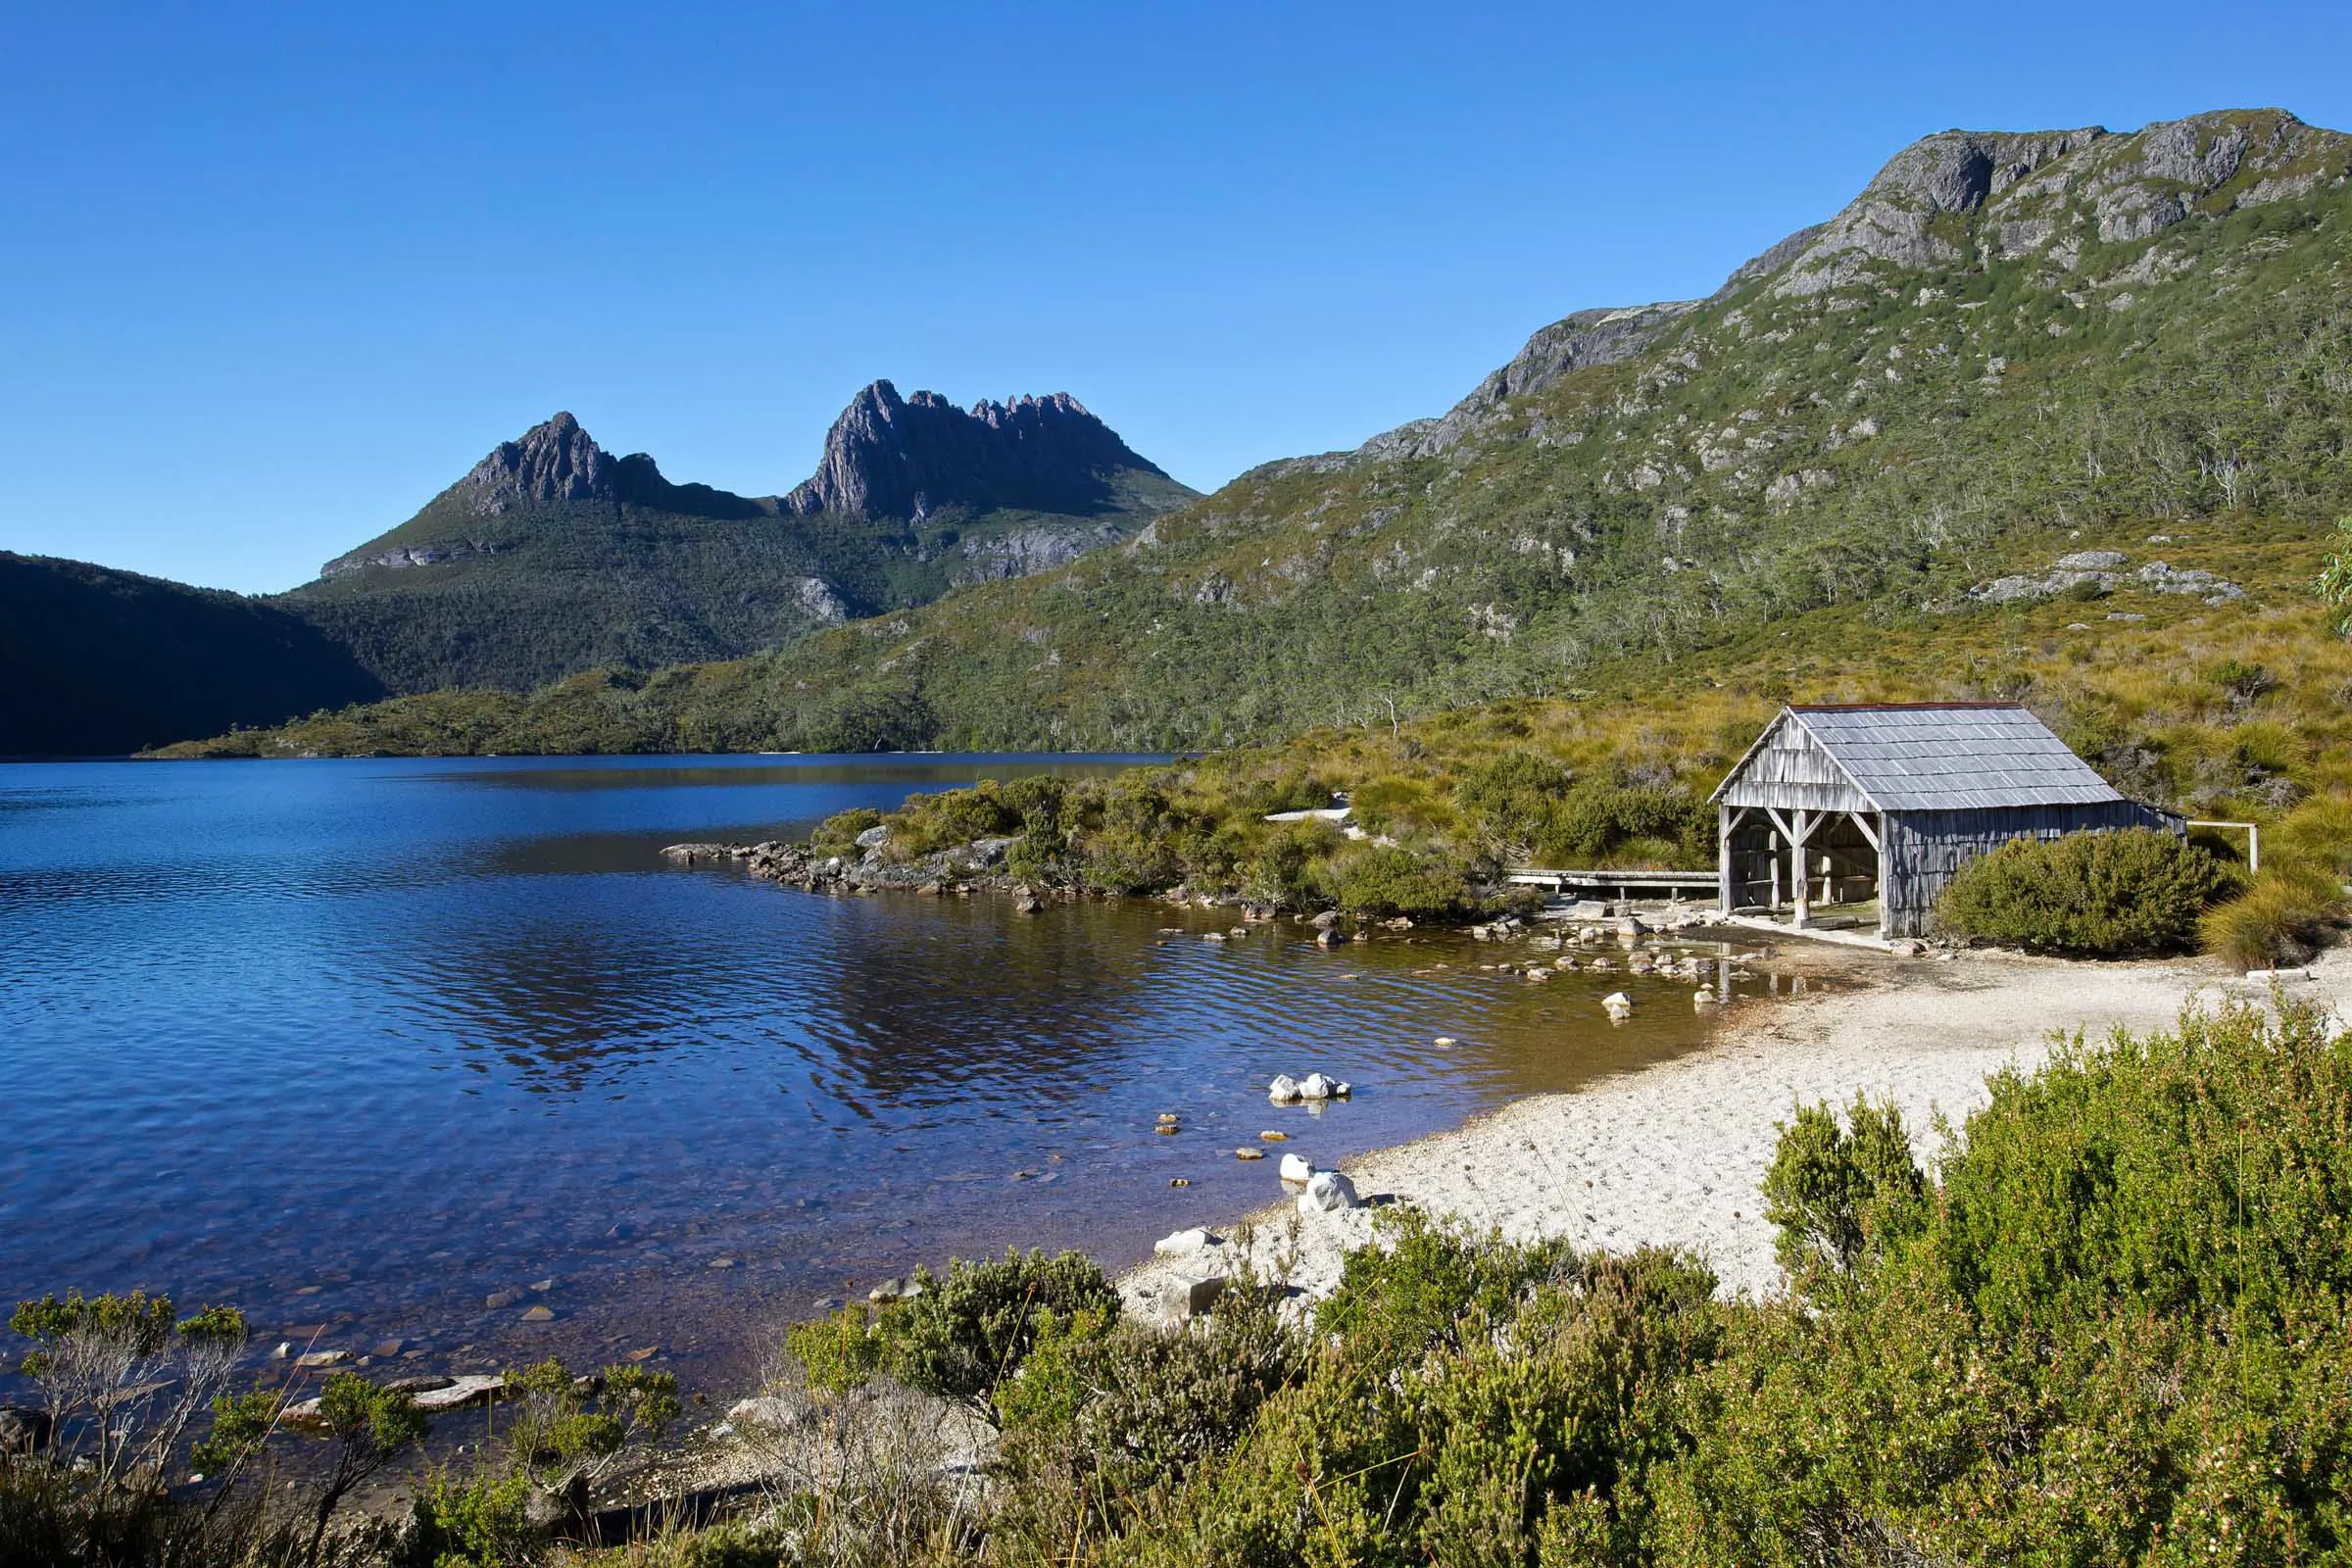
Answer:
(1797, 880)
(1723, 859)
(1879, 841)
(1727, 887)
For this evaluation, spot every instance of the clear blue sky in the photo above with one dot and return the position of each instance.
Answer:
(271, 275)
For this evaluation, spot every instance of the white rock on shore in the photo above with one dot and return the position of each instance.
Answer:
(1328, 1192)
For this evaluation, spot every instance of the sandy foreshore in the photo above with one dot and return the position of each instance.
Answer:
(1674, 1155)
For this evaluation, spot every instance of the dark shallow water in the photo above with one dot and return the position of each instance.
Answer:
(363, 1045)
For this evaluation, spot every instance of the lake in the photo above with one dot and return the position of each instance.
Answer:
(400, 1049)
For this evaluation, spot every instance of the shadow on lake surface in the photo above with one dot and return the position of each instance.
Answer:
(365, 1045)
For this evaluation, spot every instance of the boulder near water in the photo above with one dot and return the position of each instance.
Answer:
(1328, 1192)
(1183, 1244)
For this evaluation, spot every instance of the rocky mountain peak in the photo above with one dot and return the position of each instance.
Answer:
(893, 457)
(1894, 218)
(2011, 192)
(551, 463)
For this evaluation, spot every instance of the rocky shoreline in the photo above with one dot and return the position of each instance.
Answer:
(968, 868)
(980, 867)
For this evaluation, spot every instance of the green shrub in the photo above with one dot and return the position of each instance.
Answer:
(966, 1333)
(2089, 895)
(2243, 684)
(1401, 807)
(479, 1521)
(1465, 1452)
(1382, 880)
(1296, 790)
(1129, 845)
(929, 823)
(1511, 800)
(1601, 817)
(1835, 1193)
(370, 1426)
(837, 1354)
(838, 834)
(1426, 1285)
(564, 1430)
(2335, 582)
(1165, 1403)
(1283, 871)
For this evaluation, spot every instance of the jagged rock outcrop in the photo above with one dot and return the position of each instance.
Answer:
(554, 462)
(2103, 570)
(1894, 218)
(1588, 337)
(2133, 187)
(894, 457)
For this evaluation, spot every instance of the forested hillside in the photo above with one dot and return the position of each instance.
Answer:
(95, 661)
(2005, 346)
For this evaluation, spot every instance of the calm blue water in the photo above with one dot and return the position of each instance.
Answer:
(364, 1045)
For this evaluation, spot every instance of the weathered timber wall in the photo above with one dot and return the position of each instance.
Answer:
(1926, 848)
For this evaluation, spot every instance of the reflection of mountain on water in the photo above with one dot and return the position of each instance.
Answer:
(870, 1010)
(941, 1001)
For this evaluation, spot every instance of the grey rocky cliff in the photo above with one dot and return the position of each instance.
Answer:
(1023, 551)
(894, 457)
(1894, 218)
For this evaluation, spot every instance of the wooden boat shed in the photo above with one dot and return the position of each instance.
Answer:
(1886, 801)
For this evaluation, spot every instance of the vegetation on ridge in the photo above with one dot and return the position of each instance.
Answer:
(100, 662)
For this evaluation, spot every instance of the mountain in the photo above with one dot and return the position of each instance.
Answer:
(552, 556)
(2007, 348)
(98, 662)
(887, 456)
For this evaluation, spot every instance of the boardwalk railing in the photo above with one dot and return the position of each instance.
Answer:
(1621, 884)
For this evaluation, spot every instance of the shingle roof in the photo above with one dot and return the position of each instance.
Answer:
(1944, 757)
